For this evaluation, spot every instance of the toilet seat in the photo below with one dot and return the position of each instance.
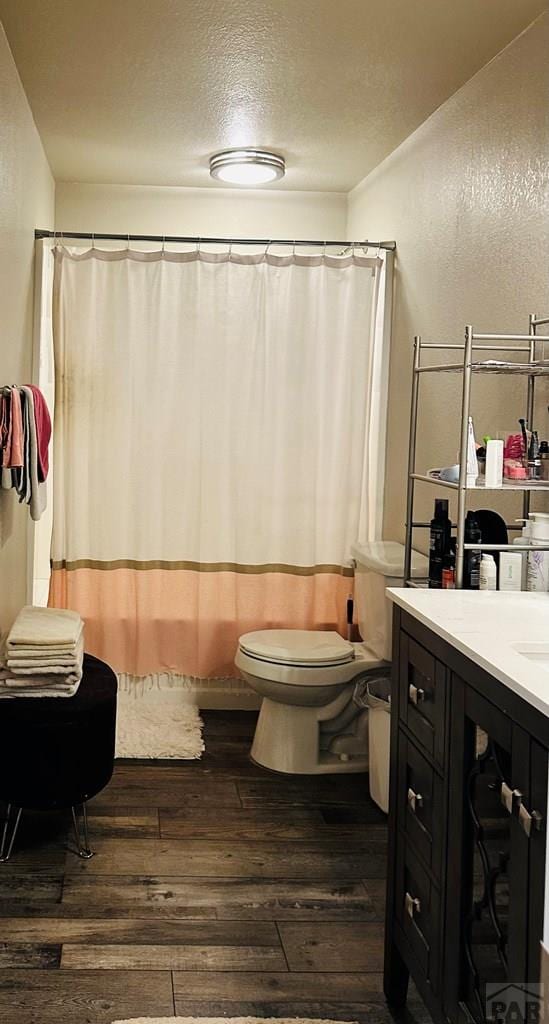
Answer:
(304, 648)
(293, 673)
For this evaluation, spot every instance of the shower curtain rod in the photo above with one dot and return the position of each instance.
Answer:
(195, 240)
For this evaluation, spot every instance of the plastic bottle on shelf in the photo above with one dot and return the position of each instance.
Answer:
(439, 542)
(488, 574)
(524, 538)
(493, 475)
(471, 573)
(544, 460)
(510, 570)
(537, 573)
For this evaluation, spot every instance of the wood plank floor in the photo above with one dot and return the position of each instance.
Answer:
(217, 889)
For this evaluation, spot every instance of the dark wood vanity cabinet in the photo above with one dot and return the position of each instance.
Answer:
(467, 822)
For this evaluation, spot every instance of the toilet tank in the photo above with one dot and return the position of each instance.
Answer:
(380, 564)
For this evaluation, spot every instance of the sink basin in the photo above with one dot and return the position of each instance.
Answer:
(536, 651)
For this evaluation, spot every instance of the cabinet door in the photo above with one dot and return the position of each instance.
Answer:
(422, 690)
(496, 853)
(420, 805)
(418, 914)
(537, 804)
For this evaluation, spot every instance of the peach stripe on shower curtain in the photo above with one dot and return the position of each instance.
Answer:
(188, 623)
(216, 420)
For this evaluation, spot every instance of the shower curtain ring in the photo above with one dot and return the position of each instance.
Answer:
(93, 240)
(230, 248)
(324, 251)
(128, 243)
(163, 243)
(293, 249)
(198, 243)
(266, 249)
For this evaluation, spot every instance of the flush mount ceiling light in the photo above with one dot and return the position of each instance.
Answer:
(247, 166)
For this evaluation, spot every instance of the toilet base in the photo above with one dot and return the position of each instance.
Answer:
(287, 740)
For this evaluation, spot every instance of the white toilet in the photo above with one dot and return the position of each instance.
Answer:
(309, 722)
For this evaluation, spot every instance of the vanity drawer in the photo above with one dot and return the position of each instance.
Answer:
(423, 696)
(418, 912)
(420, 804)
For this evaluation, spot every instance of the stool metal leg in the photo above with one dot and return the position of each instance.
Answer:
(5, 856)
(83, 851)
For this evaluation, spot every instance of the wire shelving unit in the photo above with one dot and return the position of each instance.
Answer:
(530, 367)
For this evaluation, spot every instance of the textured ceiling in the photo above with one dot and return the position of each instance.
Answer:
(144, 91)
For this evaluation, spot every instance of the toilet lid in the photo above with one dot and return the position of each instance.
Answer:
(298, 646)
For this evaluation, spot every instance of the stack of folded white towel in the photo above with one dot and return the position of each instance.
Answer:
(43, 654)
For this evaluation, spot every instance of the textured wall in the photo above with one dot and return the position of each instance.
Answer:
(26, 201)
(200, 211)
(467, 199)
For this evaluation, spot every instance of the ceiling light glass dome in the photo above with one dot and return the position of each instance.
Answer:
(247, 166)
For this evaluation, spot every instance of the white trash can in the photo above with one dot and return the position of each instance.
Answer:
(379, 740)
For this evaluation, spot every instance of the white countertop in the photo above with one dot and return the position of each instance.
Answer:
(491, 628)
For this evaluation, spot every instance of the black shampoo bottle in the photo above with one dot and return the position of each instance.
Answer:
(471, 567)
(439, 542)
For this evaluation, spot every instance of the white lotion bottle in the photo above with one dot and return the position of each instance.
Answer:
(472, 462)
(510, 570)
(487, 573)
(493, 476)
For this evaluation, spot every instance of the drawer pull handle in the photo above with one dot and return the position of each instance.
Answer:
(415, 800)
(412, 905)
(529, 821)
(416, 694)
(510, 798)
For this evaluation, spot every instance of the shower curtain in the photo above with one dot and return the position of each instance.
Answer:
(219, 435)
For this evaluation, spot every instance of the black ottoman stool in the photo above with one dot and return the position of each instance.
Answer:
(58, 752)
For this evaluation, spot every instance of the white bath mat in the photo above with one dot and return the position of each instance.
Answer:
(230, 1020)
(157, 723)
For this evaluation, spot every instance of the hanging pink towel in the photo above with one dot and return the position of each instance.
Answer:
(16, 457)
(6, 427)
(43, 431)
